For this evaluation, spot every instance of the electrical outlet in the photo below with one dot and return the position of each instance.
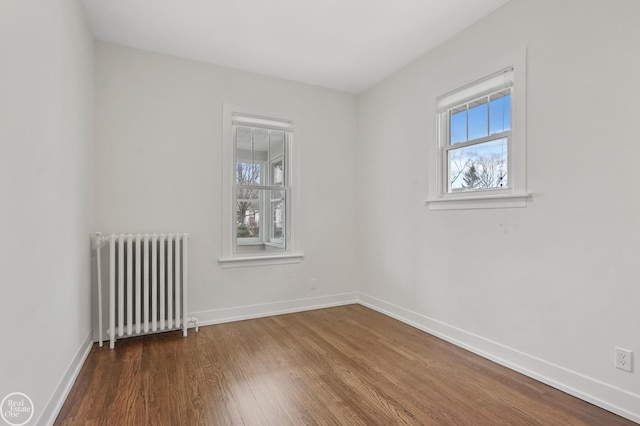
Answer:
(314, 283)
(624, 359)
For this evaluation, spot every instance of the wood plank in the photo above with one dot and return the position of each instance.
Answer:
(347, 365)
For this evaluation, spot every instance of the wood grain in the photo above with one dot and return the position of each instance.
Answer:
(340, 366)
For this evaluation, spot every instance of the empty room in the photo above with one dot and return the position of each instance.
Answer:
(288, 212)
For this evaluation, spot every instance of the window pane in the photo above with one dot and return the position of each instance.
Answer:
(478, 167)
(260, 220)
(478, 119)
(277, 173)
(247, 173)
(458, 124)
(243, 141)
(276, 144)
(248, 214)
(277, 214)
(252, 151)
(276, 156)
(500, 113)
(244, 154)
(260, 145)
(247, 169)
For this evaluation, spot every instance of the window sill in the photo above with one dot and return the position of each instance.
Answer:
(244, 261)
(495, 201)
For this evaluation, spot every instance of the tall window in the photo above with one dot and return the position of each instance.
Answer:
(481, 142)
(260, 192)
(261, 185)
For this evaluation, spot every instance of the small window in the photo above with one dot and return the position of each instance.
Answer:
(477, 137)
(481, 143)
(257, 188)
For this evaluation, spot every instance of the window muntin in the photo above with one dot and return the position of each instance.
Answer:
(260, 188)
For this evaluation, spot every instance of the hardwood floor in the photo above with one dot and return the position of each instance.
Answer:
(340, 366)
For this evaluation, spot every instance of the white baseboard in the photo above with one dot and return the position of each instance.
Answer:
(218, 316)
(51, 410)
(604, 395)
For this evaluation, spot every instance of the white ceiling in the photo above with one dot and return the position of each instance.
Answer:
(347, 45)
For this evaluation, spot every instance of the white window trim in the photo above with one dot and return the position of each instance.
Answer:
(514, 196)
(293, 254)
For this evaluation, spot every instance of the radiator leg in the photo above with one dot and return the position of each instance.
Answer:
(97, 242)
(193, 321)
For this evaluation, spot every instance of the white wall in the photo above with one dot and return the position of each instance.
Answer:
(159, 143)
(46, 161)
(550, 288)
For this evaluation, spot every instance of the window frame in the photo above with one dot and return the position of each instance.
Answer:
(474, 86)
(447, 146)
(230, 257)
